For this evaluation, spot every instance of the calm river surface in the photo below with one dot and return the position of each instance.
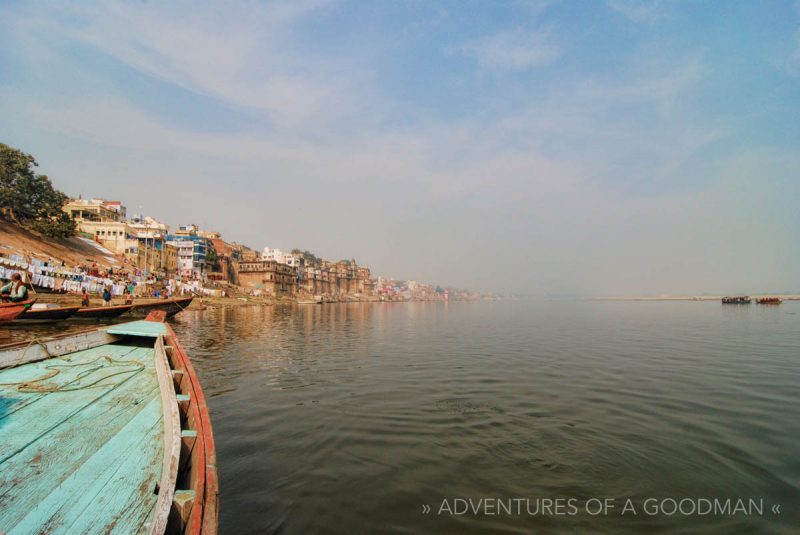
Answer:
(352, 418)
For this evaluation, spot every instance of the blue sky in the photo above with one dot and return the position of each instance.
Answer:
(594, 148)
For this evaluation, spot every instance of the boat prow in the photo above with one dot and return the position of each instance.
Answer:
(10, 311)
(105, 430)
(169, 306)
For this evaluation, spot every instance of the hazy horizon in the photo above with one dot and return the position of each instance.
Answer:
(561, 148)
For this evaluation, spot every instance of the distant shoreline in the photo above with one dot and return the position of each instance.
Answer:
(784, 297)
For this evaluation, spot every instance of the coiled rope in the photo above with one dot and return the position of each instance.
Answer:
(36, 386)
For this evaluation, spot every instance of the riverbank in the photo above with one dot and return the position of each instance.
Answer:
(199, 303)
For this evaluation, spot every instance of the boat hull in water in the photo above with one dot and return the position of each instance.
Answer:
(170, 307)
(11, 311)
(46, 315)
(737, 300)
(101, 313)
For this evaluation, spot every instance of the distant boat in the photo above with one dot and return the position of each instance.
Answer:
(169, 306)
(97, 313)
(737, 300)
(46, 312)
(769, 301)
(106, 430)
(10, 311)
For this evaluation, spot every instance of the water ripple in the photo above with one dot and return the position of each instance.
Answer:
(347, 418)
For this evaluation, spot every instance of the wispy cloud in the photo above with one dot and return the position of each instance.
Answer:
(238, 52)
(582, 176)
(515, 49)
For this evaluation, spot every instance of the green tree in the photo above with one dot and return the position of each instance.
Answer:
(29, 198)
(311, 259)
(212, 258)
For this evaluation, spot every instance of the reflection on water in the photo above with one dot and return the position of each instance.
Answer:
(347, 418)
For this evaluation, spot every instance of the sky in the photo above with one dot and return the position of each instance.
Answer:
(545, 148)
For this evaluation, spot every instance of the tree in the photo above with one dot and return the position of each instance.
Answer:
(29, 198)
(211, 256)
(311, 259)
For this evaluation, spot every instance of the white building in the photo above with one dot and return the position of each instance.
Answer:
(185, 265)
(148, 228)
(280, 257)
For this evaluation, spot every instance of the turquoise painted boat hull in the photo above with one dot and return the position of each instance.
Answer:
(92, 440)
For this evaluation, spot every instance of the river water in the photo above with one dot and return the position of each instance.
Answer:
(352, 418)
(356, 418)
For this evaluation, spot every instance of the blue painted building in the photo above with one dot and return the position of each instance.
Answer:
(200, 243)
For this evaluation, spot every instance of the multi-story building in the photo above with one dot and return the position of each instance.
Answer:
(272, 278)
(169, 258)
(364, 283)
(148, 227)
(184, 257)
(152, 235)
(189, 234)
(151, 258)
(104, 221)
(281, 257)
(227, 254)
(116, 236)
(94, 210)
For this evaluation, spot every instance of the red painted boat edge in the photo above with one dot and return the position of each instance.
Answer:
(203, 518)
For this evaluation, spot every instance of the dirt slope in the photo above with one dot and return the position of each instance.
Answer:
(72, 251)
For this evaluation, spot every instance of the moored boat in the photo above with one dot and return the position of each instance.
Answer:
(98, 313)
(46, 312)
(169, 306)
(10, 311)
(737, 300)
(105, 430)
(769, 301)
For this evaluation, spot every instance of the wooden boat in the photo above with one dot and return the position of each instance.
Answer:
(10, 311)
(169, 306)
(98, 313)
(45, 312)
(769, 301)
(737, 300)
(105, 430)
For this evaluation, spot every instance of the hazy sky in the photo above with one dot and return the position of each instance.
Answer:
(540, 147)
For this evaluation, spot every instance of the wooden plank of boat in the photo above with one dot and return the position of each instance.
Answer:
(10, 311)
(92, 439)
(170, 306)
(46, 314)
(101, 312)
